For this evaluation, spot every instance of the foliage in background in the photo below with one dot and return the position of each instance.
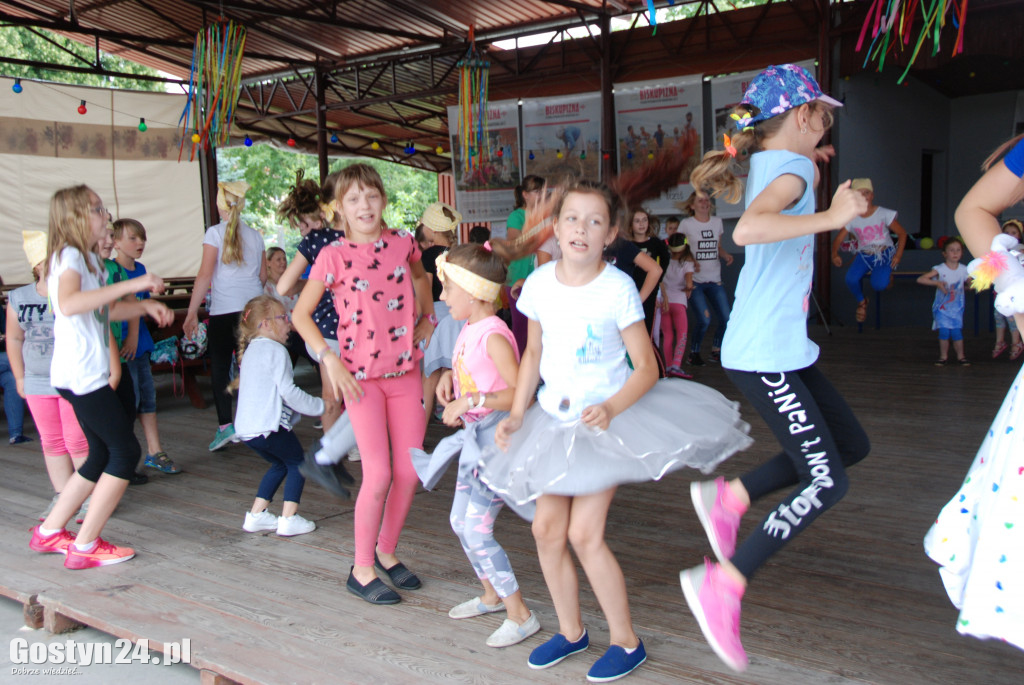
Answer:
(270, 171)
(43, 46)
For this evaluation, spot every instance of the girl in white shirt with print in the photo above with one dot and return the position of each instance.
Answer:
(85, 370)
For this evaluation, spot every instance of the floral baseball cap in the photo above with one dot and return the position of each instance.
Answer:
(779, 89)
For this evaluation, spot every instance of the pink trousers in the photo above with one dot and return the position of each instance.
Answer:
(388, 421)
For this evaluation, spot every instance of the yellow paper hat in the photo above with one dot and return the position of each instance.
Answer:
(434, 218)
(862, 184)
(236, 188)
(34, 244)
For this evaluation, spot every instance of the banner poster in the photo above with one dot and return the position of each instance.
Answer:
(652, 115)
(562, 137)
(726, 93)
(484, 191)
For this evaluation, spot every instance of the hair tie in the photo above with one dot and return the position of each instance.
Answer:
(245, 315)
(729, 146)
(487, 246)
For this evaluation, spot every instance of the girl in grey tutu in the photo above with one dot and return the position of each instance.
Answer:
(476, 393)
(596, 424)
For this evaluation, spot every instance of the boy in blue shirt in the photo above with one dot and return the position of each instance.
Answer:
(137, 344)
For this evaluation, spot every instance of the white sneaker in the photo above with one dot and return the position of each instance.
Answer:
(254, 523)
(294, 525)
(511, 633)
(353, 454)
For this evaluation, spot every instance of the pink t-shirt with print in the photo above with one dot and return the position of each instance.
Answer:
(472, 368)
(373, 293)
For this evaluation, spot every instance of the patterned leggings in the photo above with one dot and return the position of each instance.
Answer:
(474, 509)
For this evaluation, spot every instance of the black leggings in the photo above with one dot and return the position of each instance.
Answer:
(107, 419)
(222, 335)
(820, 437)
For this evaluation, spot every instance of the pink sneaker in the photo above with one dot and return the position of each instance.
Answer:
(714, 600)
(52, 544)
(720, 523)
(103, 554)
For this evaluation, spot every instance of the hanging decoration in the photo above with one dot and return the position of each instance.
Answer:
(81, 108)
(474, 143)
(891, 23)
(213, 87)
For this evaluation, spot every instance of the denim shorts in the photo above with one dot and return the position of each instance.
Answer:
(142, 382)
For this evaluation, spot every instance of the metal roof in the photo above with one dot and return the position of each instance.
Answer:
(386, 69)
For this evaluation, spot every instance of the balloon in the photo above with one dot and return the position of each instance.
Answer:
(926, 243)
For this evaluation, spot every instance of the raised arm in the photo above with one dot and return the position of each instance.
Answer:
(764, 222)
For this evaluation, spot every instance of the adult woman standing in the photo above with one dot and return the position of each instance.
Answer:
(704, 234)
(234, 269)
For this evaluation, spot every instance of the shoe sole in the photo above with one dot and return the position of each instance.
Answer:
(692, 596)
(608, 679)
(704, 516)
(540, 667)
(49, 550)
(298, 532)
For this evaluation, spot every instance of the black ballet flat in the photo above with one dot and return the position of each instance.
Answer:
(374, 592)
(399, 575)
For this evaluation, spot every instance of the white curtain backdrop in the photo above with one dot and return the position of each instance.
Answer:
(45, 144)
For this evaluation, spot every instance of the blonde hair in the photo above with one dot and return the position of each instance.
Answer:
(70, 225)
(136, 227)
(231, 252)
(256, 311)
(998, 153)
(714, 175)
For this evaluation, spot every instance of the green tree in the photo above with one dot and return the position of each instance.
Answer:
(20, 42)
(270, 173)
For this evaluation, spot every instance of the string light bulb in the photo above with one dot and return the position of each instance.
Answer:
(291, 142)
(196, 138)
(375, 145)
(531, 155)
(81, 108)
(439, 150)
(334, 138)
(142, 124)
(17, 86)
(248, 141)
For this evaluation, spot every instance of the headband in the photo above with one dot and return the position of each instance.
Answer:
(477, 286)
(677, 248)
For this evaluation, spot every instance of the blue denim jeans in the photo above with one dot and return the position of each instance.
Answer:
(699, 298)
(14, 406)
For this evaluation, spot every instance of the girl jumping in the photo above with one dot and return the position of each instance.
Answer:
(766, 352)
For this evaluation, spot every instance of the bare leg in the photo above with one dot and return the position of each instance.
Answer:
(59, 469)
(551, 532)
(943, 349)
(958, 347)
(586, 533)
(258, 505)
(148, 422)
(106, 493)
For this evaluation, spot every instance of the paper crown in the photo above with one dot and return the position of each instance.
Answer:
(34, 244)
(434, 217)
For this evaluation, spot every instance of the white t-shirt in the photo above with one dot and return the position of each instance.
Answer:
(704, 238)
(237, 283)
(584, 359)
(81, 349)
(872, 232)
(675, 280)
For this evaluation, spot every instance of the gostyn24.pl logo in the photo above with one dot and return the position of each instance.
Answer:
(72, 653)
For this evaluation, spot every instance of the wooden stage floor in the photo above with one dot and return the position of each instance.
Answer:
(853, 600)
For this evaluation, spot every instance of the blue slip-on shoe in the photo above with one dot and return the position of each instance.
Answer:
(556, 649)
(616, 663)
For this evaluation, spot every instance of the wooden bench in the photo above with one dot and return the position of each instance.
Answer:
(189, 368)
